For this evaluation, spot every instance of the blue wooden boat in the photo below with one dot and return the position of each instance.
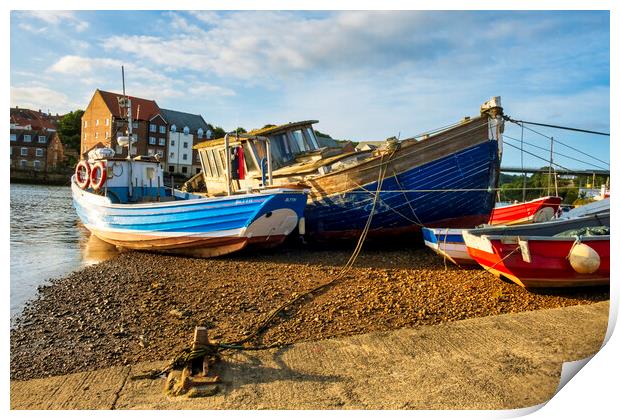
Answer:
(123, 202)
(445, 178)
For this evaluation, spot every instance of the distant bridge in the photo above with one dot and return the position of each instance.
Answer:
(515, 170)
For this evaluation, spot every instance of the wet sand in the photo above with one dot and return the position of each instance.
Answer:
(140, 307)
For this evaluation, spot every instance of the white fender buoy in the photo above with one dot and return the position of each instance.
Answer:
(584, 259)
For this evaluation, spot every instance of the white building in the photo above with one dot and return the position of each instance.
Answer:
(185, 130)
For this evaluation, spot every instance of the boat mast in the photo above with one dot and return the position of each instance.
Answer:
(127, 103)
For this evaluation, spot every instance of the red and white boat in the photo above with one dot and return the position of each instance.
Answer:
(532, 256)
(540, 210)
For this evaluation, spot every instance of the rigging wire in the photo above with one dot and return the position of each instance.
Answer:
(536, 156)
(555, 153)
(563, 144)
(581, 130)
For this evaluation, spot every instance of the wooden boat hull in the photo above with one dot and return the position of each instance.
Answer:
(538, 261)
(539, 210)
(201, 227)
(445, 181)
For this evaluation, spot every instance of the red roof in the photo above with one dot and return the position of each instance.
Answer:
(141, 109)
(36, 119)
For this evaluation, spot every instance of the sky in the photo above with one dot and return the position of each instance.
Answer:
(364, 75)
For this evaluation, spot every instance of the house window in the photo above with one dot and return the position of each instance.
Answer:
(171, 155)
(37, 164)
(162, 129)
(22, 163)
(152, 128)
(106, 134)
(41, 139)
(27, 138)
(170, 168)
(11, 151)
(13, 137)
(184, 169)
(200, 132)
(135, 124)
(173, 128)
(162, 142)
(185, 145)
(152, 140)
(39, 153)
(184, 156)
(186, 130)
(24, 151)
(107, 122)
(151, 152)
(171, 142)
(85, 124)
(96, 123)
(96, 134)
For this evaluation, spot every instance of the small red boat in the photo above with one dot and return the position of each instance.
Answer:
(539, 210)
(532, 256)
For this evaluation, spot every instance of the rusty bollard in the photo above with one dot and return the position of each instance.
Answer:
(194, 379)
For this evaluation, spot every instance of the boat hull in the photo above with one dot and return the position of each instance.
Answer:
(201, 227)
(532, 257)
(540, 210)
(453, 190)
(448, 243)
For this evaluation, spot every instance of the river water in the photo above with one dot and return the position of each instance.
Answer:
(47, 240)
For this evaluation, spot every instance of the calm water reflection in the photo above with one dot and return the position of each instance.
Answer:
(47, 240)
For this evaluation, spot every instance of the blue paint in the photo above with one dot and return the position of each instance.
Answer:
(472, 168)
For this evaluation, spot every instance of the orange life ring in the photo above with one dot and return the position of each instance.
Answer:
(82, 174)
(98, 175)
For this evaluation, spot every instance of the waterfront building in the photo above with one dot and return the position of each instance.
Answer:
(104, 120)
(184, 130)
(34, 142)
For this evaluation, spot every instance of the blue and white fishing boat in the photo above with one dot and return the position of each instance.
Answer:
(443, 178)
(123, 201)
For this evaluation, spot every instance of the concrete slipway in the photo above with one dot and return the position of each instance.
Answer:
(497, 362)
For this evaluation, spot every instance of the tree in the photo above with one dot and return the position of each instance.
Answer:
(216, 132)
(70, 129)
(318, 133)
(240, 130)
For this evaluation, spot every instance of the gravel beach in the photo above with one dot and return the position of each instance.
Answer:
(143, 307)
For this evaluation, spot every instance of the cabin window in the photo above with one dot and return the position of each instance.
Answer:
(298, 140)
(311, 138)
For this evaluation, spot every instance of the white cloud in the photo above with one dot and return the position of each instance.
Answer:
(38, 97)
(57, 18)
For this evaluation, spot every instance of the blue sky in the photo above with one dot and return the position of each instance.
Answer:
(364, 75)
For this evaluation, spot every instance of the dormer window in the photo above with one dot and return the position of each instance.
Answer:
(186, 130)
(173, 128)
(200, 132)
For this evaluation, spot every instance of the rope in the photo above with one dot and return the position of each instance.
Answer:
(188, 355)
(581, 130)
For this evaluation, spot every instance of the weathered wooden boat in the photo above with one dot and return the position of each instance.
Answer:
(124, 203)
(548, 254)
(449, 243)
(443, 178)
(539, 210)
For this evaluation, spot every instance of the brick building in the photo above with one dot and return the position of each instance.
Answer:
(104, 120)
(35, 144)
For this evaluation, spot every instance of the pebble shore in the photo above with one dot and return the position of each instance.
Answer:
(143, 307)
